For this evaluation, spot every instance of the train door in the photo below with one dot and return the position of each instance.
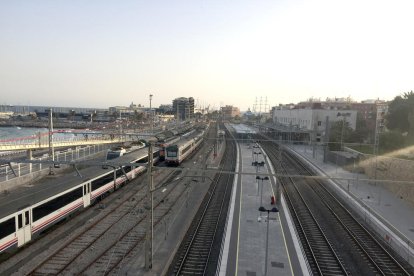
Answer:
(87, 194)
(24, 227)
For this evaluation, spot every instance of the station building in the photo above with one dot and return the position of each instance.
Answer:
(307, 124)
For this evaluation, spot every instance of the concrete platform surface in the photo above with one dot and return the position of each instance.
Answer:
(247, 249)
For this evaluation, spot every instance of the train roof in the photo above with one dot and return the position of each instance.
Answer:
(48, 186)
(185, 139)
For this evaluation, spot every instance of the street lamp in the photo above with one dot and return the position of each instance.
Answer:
(261, 190)
(273, 210)
(256, 154)
(258, 164)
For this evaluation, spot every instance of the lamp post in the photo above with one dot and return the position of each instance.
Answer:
(256, 154)
(273, 210)
(261, 190)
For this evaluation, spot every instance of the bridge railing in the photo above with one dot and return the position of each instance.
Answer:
(57, 142)
(22, 169)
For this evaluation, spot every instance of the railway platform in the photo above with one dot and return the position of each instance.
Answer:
(245, 253)
(390, 215)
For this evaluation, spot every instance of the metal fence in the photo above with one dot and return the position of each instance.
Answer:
(22, 169)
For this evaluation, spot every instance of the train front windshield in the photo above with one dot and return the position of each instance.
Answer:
(112, 155)
(172, 151)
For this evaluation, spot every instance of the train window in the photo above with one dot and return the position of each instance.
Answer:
(97, 183)
(171, 153)
(19, 221)
(26, 218)
(119, 173)
(142, 160)
(55, 204)
(7, 227)
(186, 149)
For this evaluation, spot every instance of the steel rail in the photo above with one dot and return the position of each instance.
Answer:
(214, 195)
(312, 232)
(137, 223)
(95, 239)
(379, 257)
(110, 269)
(66, 244)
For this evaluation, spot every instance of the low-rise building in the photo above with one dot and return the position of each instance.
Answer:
(229, 112)
(312, 120)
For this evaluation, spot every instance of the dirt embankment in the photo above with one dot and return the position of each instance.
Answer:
(392, 169)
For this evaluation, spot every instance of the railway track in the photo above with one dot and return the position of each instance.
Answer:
(107, 227)
(322, 258)
(196, 250)
(320, 219)
(109, 244)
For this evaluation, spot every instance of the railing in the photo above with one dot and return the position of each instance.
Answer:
(26, 144)
(21, 169)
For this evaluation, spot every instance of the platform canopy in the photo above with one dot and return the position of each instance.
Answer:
(243, 129)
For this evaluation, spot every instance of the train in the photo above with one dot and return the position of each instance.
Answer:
(119, 151)
(176, 153)
(170, 138)
(21, 225)
(115, 153)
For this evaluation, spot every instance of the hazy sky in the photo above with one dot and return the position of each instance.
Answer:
(105, 53)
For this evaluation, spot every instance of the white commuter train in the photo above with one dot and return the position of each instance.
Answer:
(20, 227)
(175, 154)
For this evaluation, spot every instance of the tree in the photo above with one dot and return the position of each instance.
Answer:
(411, 123)
(138, 116)
(400, 113)
(391, 140)
(362, 131)
(340, 131)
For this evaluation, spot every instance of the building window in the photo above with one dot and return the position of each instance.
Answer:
(319, 123)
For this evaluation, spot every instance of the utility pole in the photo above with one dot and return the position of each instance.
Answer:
(326, 140)
(150, 216)
(151, 117)
(378, 128)
(51, 149)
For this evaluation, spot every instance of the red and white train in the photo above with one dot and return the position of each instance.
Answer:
(71, 194)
